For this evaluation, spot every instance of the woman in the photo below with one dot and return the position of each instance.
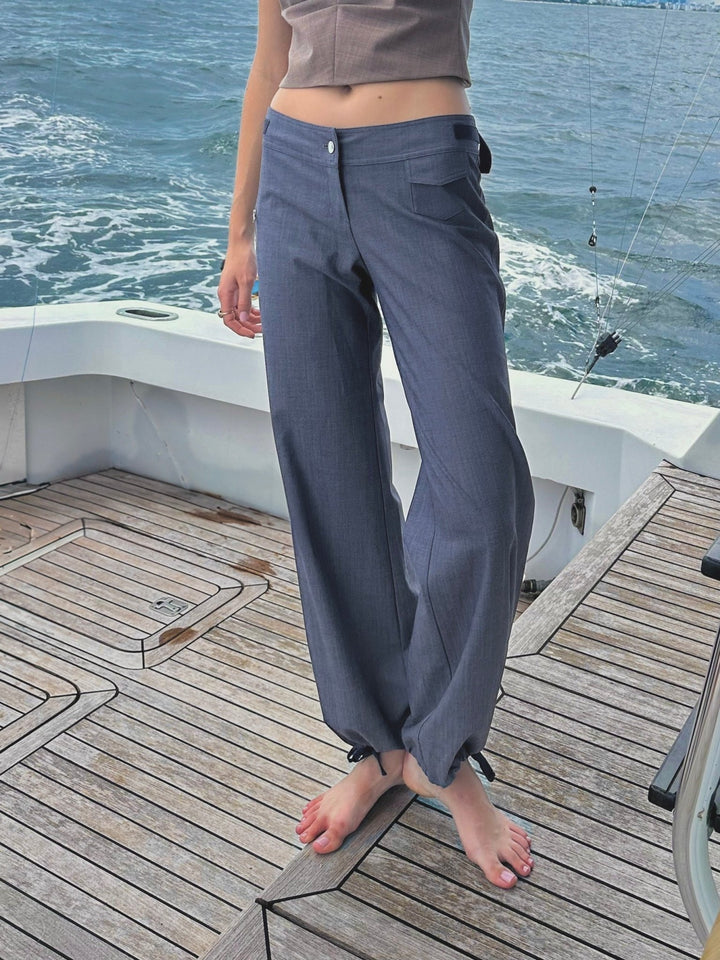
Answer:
(369, 192)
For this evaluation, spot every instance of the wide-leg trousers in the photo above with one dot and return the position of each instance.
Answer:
(407, 618)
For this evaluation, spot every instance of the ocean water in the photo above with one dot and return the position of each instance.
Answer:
(118, 137)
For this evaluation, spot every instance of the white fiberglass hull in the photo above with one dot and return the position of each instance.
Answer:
(83, 388)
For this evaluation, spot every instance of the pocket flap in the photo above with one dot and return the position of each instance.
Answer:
(440, 167)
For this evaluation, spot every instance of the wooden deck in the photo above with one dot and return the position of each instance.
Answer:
(160, 730)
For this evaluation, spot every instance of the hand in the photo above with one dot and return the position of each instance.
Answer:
(236, 282)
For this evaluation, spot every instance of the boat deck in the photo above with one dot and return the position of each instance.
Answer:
(160, 731)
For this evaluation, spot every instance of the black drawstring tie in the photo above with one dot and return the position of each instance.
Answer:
(355, 754)
(484, 765)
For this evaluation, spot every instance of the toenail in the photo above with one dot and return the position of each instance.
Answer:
(303, 837)
(506, 876)
(322, 842)
(526, 869)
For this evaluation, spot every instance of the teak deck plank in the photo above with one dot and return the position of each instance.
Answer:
(108, 598)
(580, 891)
(183, 531)
(561, 837)
(34, 882)
(685, 657)
(583, 763)
(277, 655)
(68, 808)
(151, 825)
(56, 594)
(345, 919)
(60, 936)
(103, 871)
(549, 925)
(587, 656)
(541, 706)
(19, 946)
(586, 569)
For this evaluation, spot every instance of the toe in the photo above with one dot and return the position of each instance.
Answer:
(517, 863)
(313, 829)
(521, 840)
(306, 822)
(522, 852)
(499, 874)
(329, 841)
(519, 833)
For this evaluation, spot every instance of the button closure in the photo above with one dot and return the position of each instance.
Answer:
(330, 146)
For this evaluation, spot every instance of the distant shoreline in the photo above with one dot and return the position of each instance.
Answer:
(693, 5)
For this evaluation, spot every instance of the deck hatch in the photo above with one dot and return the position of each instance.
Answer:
(117, 595)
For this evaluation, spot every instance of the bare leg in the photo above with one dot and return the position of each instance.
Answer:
(489, 838)
(330, 817)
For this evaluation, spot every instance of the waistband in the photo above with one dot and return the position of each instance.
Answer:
(372, 143)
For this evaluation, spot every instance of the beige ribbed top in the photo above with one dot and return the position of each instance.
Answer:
(362, 41)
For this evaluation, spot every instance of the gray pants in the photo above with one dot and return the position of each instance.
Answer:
(407, 618)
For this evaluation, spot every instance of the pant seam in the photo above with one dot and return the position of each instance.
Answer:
(427, 587)
(374, 401)
(439, 632)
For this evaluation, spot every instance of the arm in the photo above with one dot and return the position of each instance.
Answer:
(268, 68)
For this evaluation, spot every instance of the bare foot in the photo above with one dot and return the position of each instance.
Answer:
(489, 838)
(330, 817)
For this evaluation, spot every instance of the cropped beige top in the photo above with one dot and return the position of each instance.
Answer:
(337, 42)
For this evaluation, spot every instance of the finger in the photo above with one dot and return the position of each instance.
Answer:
(244, 303)
(240, 328)
(248, 317)
(227, 294)
(251, 323)
(248, 329)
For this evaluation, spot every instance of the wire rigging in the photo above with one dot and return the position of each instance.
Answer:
(672, 284)
(665, 166)
(682, 274)
(606, 343)
(592, 242)
(618, 267)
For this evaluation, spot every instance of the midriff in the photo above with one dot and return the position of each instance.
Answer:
(364, 104)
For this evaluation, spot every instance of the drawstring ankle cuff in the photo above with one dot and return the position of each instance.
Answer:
(355, 754)
(484, 765)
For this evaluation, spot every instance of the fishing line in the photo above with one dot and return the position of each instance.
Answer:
(53, 100)
(606, 342)
(665, 165)
(592, 242)
(675, 205)
(618, 268)
(675, 281)
(609, 342)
